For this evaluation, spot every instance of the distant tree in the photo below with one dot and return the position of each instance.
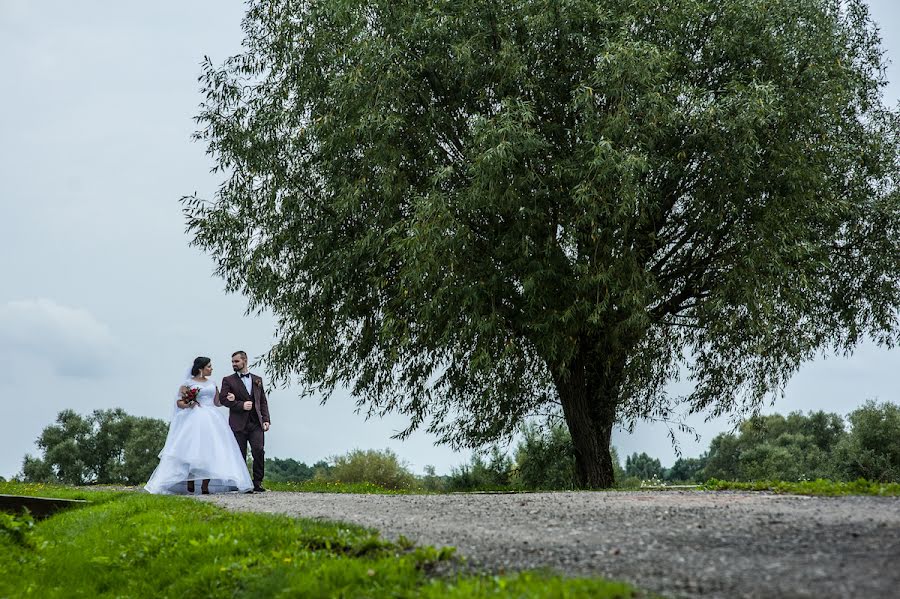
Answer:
(140, 451)
(107, 447)
(465, 211)
(872, 448)
(723, 458)
(284, 470)
(37, 470)
(67, 450)
(642, 466)
(775, 447)
(687, 470)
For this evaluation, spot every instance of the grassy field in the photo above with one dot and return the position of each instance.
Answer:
(814, 487)
(321, 486)
(129, 544)
(819, 487)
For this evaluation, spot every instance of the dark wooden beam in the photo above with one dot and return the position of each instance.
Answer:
(40, 507)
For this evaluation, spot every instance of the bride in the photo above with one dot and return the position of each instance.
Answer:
(200, 444)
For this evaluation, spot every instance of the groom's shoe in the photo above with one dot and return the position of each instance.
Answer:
(258, 489)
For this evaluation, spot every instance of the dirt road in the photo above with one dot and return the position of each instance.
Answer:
(677, 543)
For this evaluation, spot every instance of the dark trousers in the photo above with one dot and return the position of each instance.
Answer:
(253, 433)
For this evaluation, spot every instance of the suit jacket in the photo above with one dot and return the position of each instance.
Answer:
(238, 416)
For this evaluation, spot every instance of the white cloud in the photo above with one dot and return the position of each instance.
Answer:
(70, 341)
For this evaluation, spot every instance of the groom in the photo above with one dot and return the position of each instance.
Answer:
(244, 396)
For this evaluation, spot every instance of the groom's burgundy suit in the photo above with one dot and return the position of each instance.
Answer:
(247, 424)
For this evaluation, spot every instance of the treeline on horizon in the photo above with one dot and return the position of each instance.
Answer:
(112, 447)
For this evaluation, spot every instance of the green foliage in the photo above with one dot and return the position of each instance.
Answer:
(35, 469)
(687, 470)
(321, 485)
(492, 474)
(107, 447)
(17, 528)
(642, 466)
(92, 494)
(545, 458)
(138, 545)
(464, 211)
(872, 449)
(382, 468)
(775, 447)
(290, 470)
(431, 481)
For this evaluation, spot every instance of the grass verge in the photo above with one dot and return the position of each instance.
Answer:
(821, 487)
(321, 486)
(139, 545)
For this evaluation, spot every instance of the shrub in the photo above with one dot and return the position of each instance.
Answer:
(370, 466)
(545, 458)
(431, 481)
(492, 474)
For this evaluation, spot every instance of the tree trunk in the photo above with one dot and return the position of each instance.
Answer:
(589, 406)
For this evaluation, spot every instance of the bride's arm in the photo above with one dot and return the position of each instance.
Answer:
(180, 402)
(216, 398)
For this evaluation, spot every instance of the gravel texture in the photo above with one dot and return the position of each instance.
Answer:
(676, 543)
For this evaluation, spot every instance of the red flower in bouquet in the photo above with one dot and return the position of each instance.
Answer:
(189, 396)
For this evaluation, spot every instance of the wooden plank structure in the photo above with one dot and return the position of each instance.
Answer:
(40, 507)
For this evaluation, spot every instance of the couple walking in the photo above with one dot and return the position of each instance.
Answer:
(202, 444)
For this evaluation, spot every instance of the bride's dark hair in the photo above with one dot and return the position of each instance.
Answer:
(200, 363)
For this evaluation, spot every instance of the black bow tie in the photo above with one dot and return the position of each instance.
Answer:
(244, 375)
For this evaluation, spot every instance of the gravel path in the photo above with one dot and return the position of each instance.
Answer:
(677, 543)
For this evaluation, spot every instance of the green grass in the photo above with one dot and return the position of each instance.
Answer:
(138, 545)
(813, 487)
(321, 486)
(94, 494)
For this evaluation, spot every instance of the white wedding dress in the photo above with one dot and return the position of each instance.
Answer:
(200, 445)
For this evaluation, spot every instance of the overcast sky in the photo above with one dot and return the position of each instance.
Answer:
(102, 302)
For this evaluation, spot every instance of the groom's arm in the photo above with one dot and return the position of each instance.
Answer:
(223, 397)
(263, 403)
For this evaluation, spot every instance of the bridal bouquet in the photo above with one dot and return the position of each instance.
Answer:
(189, 396)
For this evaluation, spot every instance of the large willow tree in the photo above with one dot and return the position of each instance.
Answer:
(468, 210)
